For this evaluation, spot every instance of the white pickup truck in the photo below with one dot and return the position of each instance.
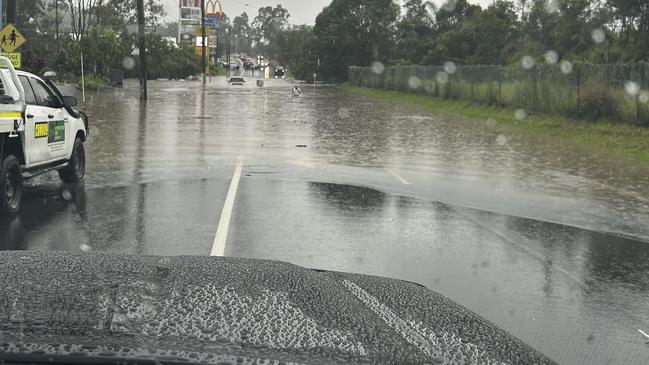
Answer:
(39, 132)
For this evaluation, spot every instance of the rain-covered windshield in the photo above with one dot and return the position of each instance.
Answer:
(496, 152)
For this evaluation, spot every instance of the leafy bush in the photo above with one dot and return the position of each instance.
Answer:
(93, 82)
(597, 101)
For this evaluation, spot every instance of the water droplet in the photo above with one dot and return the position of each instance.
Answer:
(378, 67)
(449, 5)
(598, 35)
(566, 67)
(527, 62)
(414, 82)
(552, 6)
(66, 195)
(501, 140)
(128, 62)
(551, 57)
(84, 247)
(590, 338)
(491, 122)
(520, 114)
(442, 77)
(344, 113)
(644, 97)
(632, 88)
(450, 67)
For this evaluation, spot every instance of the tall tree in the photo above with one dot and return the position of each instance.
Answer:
(268, 23)
(354, 32)
(415, 31)
(242, 31)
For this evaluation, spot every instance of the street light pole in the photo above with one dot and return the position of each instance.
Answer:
(142, 45)
(203, 55)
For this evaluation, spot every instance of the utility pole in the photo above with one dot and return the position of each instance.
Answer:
(10, 12)
(229, 55)
(83, 76)
(142, 46)
(203, 55)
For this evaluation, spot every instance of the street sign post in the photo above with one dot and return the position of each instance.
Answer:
(11, 39)
(15, 58)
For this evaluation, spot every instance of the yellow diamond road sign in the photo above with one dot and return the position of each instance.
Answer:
(11, 39)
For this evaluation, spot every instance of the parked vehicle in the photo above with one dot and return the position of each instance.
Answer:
(39, 132)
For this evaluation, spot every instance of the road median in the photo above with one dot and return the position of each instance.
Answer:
(626, 142)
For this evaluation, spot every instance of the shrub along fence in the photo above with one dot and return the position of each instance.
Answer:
(616, 92)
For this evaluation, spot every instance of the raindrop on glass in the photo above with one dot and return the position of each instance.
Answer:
(128, 62)
(491, 122)
(551, 57)
(632, 88)
(501, 140)
(449, 5)
(566, 67)
(66, 195)
(442, 77)
(84, 247)
(552, 6)
(450, 67)
(414, 82)
(343, 113)
(527, 62)
(378, 68)
(520, 114)
(598, 35)
(644, 97)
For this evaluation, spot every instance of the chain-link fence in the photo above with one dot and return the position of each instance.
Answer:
(615, 92)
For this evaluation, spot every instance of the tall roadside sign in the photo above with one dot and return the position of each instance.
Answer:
(10, 40)
(190, 18)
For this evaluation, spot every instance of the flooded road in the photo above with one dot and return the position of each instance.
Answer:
(545, 240)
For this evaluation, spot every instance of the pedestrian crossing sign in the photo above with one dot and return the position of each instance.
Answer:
(11, 39)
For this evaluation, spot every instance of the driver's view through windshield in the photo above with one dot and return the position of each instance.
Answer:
(324, 181)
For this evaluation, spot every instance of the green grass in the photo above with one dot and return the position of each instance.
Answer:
(628, 142)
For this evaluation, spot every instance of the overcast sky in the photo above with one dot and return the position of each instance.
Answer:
(302, 11)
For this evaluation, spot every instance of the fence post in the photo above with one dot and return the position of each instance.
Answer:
(578, 71)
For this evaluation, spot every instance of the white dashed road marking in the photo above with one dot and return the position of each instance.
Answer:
(218, 248)
(394, 173)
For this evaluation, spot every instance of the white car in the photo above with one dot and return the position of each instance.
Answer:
(237, 81)
(39, 132)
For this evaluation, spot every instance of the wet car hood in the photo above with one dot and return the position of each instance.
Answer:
(225, 310)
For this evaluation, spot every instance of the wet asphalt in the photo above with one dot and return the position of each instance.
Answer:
(545, 240)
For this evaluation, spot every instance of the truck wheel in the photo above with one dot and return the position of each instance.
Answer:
(11, 185)
(77, 164)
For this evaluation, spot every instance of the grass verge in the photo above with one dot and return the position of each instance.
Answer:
(617, 140)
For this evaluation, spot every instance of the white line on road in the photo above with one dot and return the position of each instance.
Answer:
(394, 173)
(218, 248)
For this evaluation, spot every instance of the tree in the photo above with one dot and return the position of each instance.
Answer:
(119, 13)
(293, 48)
(269, 22)
(415, 31)
(242, 32)
(354, 32)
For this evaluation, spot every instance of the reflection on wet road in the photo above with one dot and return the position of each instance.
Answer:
(525, 232)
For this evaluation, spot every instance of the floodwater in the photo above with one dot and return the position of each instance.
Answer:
(548, 241)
